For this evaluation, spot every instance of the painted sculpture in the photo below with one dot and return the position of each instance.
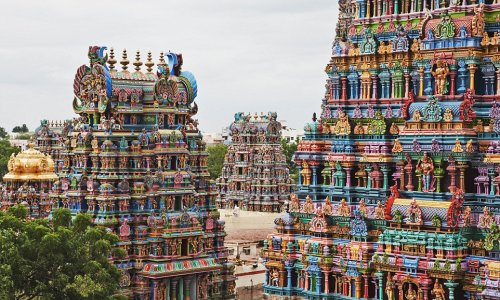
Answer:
(419, 84)
(134, 160)
(255, 176)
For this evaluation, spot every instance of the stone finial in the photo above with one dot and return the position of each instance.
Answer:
(137, 62)
(112, 61)
(162, 60)
(124, 62)
(149, 63)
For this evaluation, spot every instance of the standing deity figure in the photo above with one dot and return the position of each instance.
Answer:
(469, 147)
(438, 291)
(344, 209)
(328, 208)
(426, 167)
(389, 288)
(306, 173)
(411, 294)
(441, 77)
(275, 278)
(467, 216)
(295, 206)
(379, 211)
(486, 219)
(362, 208)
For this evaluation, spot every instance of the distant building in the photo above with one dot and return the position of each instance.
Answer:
(291, 135)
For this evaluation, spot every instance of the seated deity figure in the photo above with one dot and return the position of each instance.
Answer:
(469, 147)
(417, 116)
(363, 209)
(295, 205)
(448, 115)
(411, 294)
(414, 214)
(426, 167)
(398, 148)
(327, 207)
(309, 205)
(458, 147)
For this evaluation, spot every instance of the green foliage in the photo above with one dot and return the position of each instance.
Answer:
(289, 149)
(492, 240)
(24, 136)
(215, 161)
(20, 129)
(66, 261)
(437, 265)
(458, 265)
(3, 133)
(6, 150)
(447, 266)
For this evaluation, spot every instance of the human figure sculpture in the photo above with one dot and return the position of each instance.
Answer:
(275, 278)
(458, 147)
(397, 148)
(389, 288)
(344, 209)
(467, 216)
(379, 211)
(328, 208)
(469, 148)
(309, 205)
(306, 173)
(448, 115)
(440, 75)
(411, 294)
(486, 219)
(426, 167)
(438, 291)
(414, 214)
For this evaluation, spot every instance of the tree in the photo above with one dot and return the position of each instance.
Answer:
(289, 149)
(66, 260)
(3, 133)
(6, 150)
(20, 129)
(215, 161)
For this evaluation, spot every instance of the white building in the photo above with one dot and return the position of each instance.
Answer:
(290, 134)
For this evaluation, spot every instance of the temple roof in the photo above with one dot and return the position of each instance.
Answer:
(30, 164)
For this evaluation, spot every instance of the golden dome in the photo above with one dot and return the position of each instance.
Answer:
(30, 164)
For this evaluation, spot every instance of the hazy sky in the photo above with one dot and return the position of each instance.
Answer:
(247, 55)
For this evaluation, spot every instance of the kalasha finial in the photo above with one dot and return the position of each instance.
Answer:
(137, 62)
(124, 62)
(111, 60)
(149, 63)
(162, 61)
(314, 117)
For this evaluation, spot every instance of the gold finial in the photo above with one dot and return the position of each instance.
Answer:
(124, 62)
(111, 60)
(162, 61)
(137, 62)
(149, 63)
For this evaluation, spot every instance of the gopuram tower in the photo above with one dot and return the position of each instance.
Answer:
(255, 175)
(134, 159)
(399, 188)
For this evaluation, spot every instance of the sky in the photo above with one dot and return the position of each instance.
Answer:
(246, 55)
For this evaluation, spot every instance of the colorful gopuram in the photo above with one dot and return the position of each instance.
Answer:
(255, 175)
(134, 159)
(399, 188)
(30, 178)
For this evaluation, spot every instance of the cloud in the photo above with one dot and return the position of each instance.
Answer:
(253, 55)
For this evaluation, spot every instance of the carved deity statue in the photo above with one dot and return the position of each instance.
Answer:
(397, 148)
(448, 115)
(426, 167)
(379, 211)
(342, 127)
(458, 147)
(309, 205)
(469, 148)
(344, 209)
(441, 77)
(467, 216)
(295, 205)
(389, 288)
(327, 207)
(486, 219)
(411, 294)
(306, 173)
(414, 214)
(438, 291)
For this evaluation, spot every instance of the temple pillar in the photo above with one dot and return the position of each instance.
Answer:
(407, 84)
(369, 172)
(282, 278)
(173, 290)
(385, 171)
(327, 288)
(461, 167)
(289, 277)
(344, 87)
(498, 82)
(299, 168)
(187, 289)
(318, 282)
(453, 74)
(421, 84)
(380, 277)
(472, 71)
(451, 288)
(374, 86)
(346, 288)
(358, 287)
(306, 281)
(266, 276)
(409, 175)
(314, 175)
(365, 290)
(491, 174)
(181, 288)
